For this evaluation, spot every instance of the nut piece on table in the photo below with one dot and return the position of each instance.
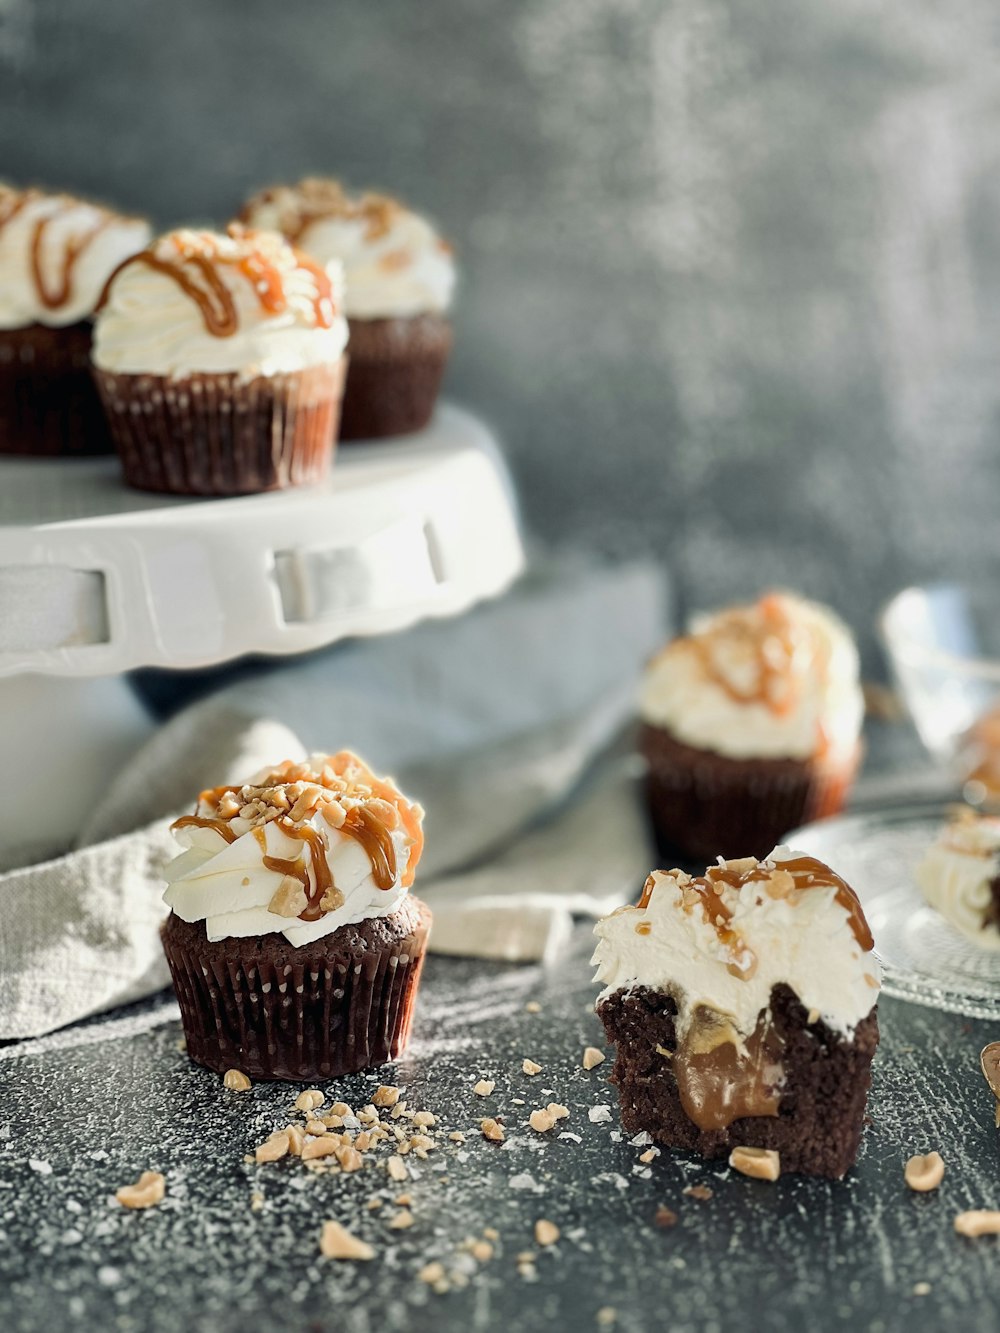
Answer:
(274, 1148)
(760, 1163)
(592, 1057)
(148, 1190)
(546, 1233)
(236, 1081)
(484, 1087)
(978, 1222)
(309, 1100)
(492, 1129)
(385, 1096)
(923, 1173)
(530, 1068)
(989, 1062)
(336, 1242)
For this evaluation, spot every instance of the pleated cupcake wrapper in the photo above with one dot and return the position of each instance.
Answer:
(223, 435)
(49, 405)
(314, 1019)
(394, 376)
(705, 808)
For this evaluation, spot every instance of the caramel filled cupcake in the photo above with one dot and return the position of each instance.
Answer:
(56, 254)
(750, 727)
(742, 1003)
(959, 876)
(398, 276)
(220, 360)
(293, 941)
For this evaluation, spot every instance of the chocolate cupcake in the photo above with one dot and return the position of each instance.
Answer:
(399, 276)
(750, 727)
(293, 943)
(220, 360)
(742, 1003)
(56, 253)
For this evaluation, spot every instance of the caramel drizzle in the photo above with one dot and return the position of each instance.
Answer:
(773, 639)
(214, 299)
(361, 825)
(315, 199)
(75, 247)
(221, 826)
(12, 202)
(806, 871)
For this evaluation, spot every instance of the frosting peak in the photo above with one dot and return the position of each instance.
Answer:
(301, 849)
(778, 678)
(395, 263)
(56, 253)
(243, 301)
(958, 875)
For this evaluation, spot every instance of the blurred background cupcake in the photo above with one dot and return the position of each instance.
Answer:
(56, 254)
(399, 277)
(750, 727)
(220, 360)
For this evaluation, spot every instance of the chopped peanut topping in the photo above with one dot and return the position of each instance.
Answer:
(530, 1068)
(484, 1087)
(761, 1163)
(385, 1096)
(236, 1081)
(274, 1148)
(541, 1121)
(492, 1129)
(546, 1233)
(592, 1057)
(309, 1100)
(401, 1220)
(397, 1168)
(978, 1222)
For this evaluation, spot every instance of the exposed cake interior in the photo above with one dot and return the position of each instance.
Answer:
(738, 980)
(960, 876)
(301, 850)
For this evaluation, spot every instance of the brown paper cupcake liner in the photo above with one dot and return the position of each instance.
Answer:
(704, 805)
(394, 376)
(49, 405)
(222, 435)
(336, 1006)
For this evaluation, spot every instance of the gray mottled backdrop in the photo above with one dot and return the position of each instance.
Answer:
(731, 270)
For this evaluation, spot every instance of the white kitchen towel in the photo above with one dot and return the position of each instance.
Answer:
(507, 724)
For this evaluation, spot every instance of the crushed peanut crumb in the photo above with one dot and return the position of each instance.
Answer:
(546, 1233)
(309, 1099)
(760, 1163)
(532, 1007)
(272, 1149)
(484, 1088)
(385, 1096)
(592, 1057)
(432, 1273)
(396, 1168)
(336, 1242)
(530, 1068)
(481, 1251)
(492, 1129)
(401, 1220)
(701, 1192)
(978, 1222)
(236, 1081)
(664, 1218)
(147, 1191)
(924, 1173)
(541, 1121)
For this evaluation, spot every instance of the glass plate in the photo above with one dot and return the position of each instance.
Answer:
(925, 960)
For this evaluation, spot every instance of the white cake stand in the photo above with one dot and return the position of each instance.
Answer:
(97, 579)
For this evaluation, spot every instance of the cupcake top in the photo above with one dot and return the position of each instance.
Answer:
(242, 302)
(300, 849)
(958, 872)
(721, 941)
(395, 263)
(56, 253)
(777, 679)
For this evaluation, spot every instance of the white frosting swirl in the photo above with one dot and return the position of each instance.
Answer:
(150, 326)
(105, 240)
(956, 873)
(227, 884)
(395, 263)
(804, 940)
(707, 689)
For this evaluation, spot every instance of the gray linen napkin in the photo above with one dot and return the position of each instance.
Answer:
(506, 724)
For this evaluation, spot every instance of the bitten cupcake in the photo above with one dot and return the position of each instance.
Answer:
(294, 945)
(399, 276)
(220, 360)
(56, 253)
(742, 1003)
(750, 727)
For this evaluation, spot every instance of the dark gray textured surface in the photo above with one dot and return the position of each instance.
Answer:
(732, 275)
(95, 1106)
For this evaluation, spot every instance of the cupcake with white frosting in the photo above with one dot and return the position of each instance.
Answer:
(56, 254)
(399, 276)
(750, 726)
(960, 876)
(294, 943)
(742, 1003)
(220, 360)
